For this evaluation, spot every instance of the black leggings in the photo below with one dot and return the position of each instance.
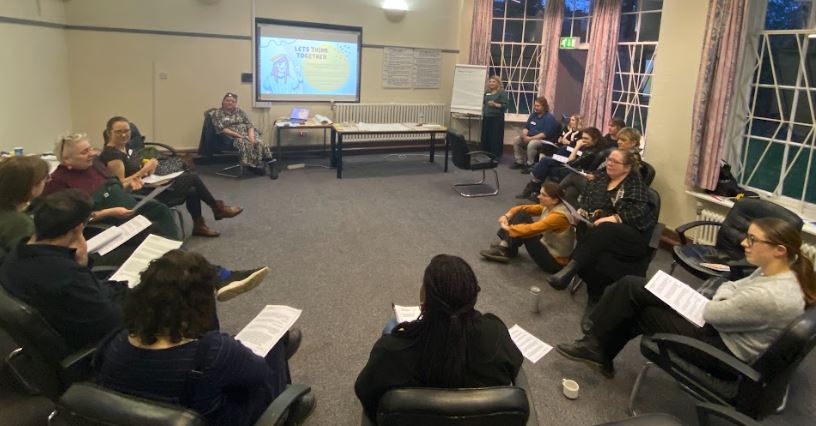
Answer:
(189, 189)
(535, 248)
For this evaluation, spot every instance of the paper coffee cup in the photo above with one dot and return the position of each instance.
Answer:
(18, 151)
(570, 388)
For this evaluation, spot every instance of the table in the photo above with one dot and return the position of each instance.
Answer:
(310, 124)
(339, 130)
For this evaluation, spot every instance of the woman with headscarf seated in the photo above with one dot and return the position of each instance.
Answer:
(80, 169)
(187, 188)
(548, 240)
(742, 319)
(235, 123)
(450, 345)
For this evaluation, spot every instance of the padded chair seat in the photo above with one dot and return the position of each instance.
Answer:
(501, 405)
(480, 163)
(694, 254)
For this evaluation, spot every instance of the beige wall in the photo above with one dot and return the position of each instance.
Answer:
(33, 76)
(668, 135)
(163, 83)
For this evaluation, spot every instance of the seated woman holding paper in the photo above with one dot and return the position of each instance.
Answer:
(21, 180)
(80, 169)
(592, 153)
(742, 319)
(171, 330)
(548, 240)
(187, 188)
(450, 345)
(619, 218)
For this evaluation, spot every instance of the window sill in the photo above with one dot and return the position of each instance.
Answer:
(809, 227)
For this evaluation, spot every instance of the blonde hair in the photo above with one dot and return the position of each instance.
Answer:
(67, 140)
(630, 133)
(579, 121)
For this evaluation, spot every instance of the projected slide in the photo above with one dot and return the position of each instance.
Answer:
(304, 62)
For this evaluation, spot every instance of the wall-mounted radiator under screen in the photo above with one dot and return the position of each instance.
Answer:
(388, 113)
(708, 234)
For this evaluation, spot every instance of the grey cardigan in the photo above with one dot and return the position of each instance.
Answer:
(752, 312)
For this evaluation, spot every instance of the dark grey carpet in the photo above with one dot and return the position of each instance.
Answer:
(344, 250)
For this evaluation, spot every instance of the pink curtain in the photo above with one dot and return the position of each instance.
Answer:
(548, 77)
(480, 33)
(596, 97)
(725, 29)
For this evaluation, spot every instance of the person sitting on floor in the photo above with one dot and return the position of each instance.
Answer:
(22, 179)
(450, 345)
(589, 152)
(81, 169)
(171, 330)
(742, 319)
(541, 126)
(549, 240)
(618, 205)
(52, 273)
(187, 188)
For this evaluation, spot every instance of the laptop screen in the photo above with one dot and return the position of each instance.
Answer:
(300, 114)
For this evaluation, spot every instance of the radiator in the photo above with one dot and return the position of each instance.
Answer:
(708, 234)
(388, 113)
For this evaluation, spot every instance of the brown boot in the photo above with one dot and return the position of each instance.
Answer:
(201, 229)
(222, 211)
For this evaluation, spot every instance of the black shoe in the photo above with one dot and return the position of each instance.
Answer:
(561, 279)
(516, 166)
(530, 191)
(240, 282)
(496, 254)
(588, 351)
(302, 409)
(272, 165)
(291, 342)
(495, 244)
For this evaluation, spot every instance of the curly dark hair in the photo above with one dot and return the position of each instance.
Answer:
(450, 289)
(175, 299)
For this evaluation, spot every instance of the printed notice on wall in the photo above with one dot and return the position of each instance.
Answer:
(406, 68)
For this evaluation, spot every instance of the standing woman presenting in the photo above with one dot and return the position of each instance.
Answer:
(493, 109)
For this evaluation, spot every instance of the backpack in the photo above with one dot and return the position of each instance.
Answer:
(727, 185)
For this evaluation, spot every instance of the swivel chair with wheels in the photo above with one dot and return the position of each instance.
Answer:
(466, 159)
(213, 144)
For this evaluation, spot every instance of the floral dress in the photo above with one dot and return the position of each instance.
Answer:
(251, 154)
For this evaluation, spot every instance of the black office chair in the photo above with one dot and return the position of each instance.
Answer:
(727, 249)
(498, 405)
(43, 364)
(466, 159)
(137, 142)
(705, 412)
(757, 389)
(87, 404)
(212, 145)
(647, 173)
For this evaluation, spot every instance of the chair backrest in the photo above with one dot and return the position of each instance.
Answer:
(459, 149)
(782, 358)
(137, 140)
(647, 173)
(30, 330)
(740, 216)
(90, 404)
(211, 142)
(500, 405)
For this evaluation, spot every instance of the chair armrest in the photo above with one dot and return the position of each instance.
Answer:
(667, 342)
(78, 357)
(168, 148)
(280, 406)
(706, 410)
(521, 382)
(681, 230)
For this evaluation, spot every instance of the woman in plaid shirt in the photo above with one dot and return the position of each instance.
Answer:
(616, 203)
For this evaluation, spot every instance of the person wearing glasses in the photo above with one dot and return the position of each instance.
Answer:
(742, 319)
(22, 179)
(619, 221)
(235, 123)
(187, 188)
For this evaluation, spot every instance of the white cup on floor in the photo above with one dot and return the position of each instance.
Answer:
(570, 388)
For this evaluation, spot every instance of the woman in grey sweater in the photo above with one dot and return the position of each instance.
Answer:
(743, 318)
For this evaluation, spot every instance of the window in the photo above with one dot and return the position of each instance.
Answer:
(515, 50)
(776, 148)
(577, 20)
(637, 51)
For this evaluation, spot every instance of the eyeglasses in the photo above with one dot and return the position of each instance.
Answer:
(613, 161)
(751, 239)
(122, 132)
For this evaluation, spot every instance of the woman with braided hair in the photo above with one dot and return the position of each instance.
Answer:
(450, 345)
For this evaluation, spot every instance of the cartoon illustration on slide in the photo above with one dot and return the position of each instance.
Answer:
(282, 79)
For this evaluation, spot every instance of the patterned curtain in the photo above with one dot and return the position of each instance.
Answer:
(548, 77)
(724, 43)
(480, 33)
(596, 97)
